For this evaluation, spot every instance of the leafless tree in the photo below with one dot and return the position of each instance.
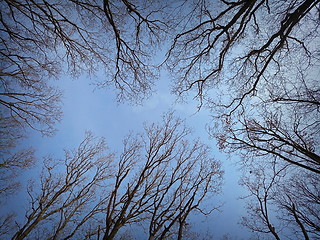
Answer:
(264, 93)
(300, 204)
(161, 179)
(260, 184)
(282, 204)
(242, 46)
(43, 40)
(38, 37)
(284, 129)
(283, 132)
(253, 63)
(12, 160)
(67, 200)
(10, 166)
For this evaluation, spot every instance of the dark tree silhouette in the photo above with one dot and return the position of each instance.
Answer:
(281, 204)
(66, 203)
(264, 54)
(244, 45)
(12, 160)
(254, 63)
(282, 129)
(42, 40)
(39, 36)
(161, 179)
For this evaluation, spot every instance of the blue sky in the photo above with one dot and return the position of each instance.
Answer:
(87, 108)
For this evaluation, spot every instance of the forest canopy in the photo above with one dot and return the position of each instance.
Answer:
(254, 64)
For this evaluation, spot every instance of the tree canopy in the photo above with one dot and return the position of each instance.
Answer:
(157, 181)
(253, 63)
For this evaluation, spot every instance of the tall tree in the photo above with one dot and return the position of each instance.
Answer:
(255, 65)
(278, 128)
(38, 37)
(67, 202)
(243, 46)
(13, 160)
(281, 204)
(44, 40)
(161, 179)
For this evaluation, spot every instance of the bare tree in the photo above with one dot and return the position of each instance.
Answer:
(284, 129)
(300, 203)
(10, 166)
(282, 132)
(12, 160)
(67, 200)
(253, 63)
(138, 29)
(260, 80)
(261, 187)
(161, 179)
(242, 46)
(282, 204)
(39, 36)
(43, 40)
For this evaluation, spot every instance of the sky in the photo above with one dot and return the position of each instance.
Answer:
(86, 108)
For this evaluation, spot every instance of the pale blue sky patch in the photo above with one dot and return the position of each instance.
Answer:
(96, 110)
